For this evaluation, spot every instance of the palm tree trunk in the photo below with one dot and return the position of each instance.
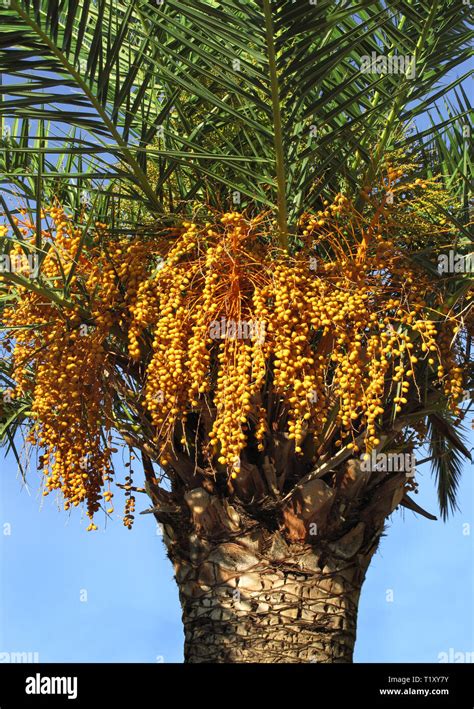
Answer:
(285, 604)
(278, 581)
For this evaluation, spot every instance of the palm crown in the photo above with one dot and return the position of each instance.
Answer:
(150, 109)
(271, 99)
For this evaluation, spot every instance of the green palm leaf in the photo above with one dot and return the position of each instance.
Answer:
(447, 451)
(278, 88)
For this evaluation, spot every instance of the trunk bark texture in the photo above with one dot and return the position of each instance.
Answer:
(278, 581)
(243, 606)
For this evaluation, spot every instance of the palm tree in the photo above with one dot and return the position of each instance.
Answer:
(303, 118)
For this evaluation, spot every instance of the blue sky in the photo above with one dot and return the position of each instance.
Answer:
(110, 596)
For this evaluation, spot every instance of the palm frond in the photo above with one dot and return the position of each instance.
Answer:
(447, 451)
(251, 97)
